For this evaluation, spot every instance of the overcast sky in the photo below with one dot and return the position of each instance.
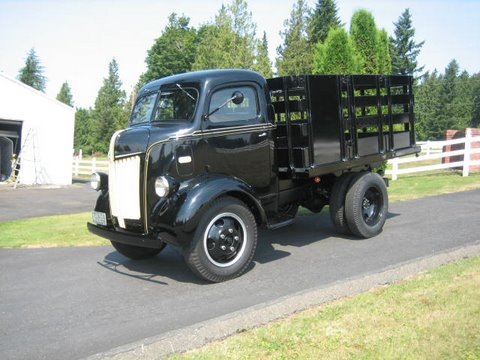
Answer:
(76, 39)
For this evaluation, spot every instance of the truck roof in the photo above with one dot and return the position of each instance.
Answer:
(213, 77)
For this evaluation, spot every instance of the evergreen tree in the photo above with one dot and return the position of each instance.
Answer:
(65, 94)
(364, 36)
(173, 52)
(427, 103)
(32, 73)
(384, 62)
(228, 42)
(404, 50)
(475, 121)
(108, 114)
(336, 55)
(295, 55)
(83, 130)
(262, 62)
(323, 18)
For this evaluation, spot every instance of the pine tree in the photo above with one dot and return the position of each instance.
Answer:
(262, 62)
(323, 18)
(364, 36)
(475, 121)
(228, 42)
(83, 130)
(427, 103)
(108, 114)
(32, 73)
(65, 94)
(403, 48)
(173, 52)
(295, 55)
(336, 55)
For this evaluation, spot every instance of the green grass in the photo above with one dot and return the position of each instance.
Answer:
(50, 231)
(435, 315)
(442, 182)
(70, 230)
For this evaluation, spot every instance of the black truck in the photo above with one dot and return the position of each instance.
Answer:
(211, 155)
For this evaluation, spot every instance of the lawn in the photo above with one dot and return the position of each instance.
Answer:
(435, 315)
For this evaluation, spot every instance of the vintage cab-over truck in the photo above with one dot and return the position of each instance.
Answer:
(211, 155)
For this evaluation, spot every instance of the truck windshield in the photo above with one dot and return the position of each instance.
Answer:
(176, 104)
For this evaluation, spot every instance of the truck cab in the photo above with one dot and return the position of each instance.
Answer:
(211, 155)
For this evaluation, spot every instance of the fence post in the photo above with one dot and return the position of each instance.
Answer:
(428, 147)
(466, 154)
(76, 165)
(394, 169)
(80, 154)
(94, 164)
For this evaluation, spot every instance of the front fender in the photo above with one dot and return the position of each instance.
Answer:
(187, 206)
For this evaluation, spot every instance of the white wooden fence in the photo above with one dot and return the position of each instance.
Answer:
(433, 150)
(87, 167)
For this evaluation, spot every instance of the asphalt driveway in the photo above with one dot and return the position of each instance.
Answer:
(26, 202)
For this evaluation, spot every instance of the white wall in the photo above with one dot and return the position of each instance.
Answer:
(47, 154)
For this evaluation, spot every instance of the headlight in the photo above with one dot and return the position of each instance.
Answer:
(98, 181)
(162, 186)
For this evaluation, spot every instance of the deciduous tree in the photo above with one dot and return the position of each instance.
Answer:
(173, 51)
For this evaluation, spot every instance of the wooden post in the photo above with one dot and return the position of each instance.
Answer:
(394, 169)
(94, 164)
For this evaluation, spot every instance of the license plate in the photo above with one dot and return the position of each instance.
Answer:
(99, 218)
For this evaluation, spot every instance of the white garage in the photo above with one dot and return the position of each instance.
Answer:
(38, 130)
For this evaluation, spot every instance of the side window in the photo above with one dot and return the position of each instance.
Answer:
(224, 108)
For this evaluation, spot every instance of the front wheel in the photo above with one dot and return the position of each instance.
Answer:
(137, 252)
(366, 205)
(224, 243)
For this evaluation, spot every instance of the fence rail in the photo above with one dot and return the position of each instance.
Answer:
(87, 167)
(434, 150)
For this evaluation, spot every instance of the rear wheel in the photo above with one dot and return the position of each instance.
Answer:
(136, 252)
(224, 243)
(366, 205)
(337, 203)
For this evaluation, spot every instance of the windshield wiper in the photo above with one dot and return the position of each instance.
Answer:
(186, 92)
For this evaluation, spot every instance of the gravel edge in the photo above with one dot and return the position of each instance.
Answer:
(198, 335)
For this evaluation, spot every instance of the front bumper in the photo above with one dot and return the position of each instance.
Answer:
(132, 239)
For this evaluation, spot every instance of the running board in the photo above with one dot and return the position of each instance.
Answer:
(281, 224)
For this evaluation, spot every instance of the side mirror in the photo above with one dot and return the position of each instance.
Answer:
(237, 98)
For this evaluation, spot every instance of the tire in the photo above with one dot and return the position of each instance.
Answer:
(366, 205)
(337, 203)
(136, 252)
(224, 242)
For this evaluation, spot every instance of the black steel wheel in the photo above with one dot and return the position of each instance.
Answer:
(137, 252)
(337, 203)
(366, 205)
(224, 242)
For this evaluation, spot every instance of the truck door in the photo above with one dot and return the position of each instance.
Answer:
(237, 139)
